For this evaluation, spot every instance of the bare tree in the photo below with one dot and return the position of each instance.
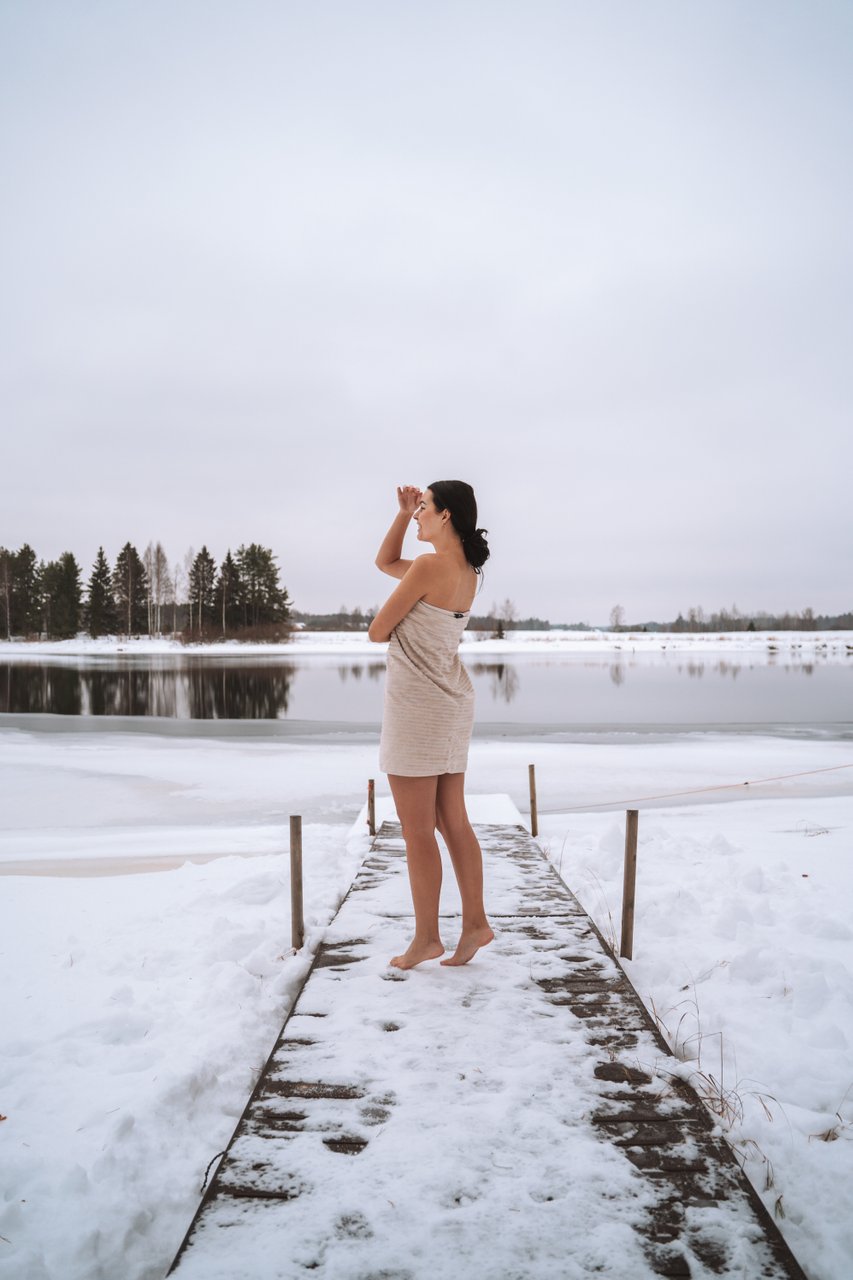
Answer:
(148, 562)
(159, 584)
(168, 596)
(617, 618)
(187, 569)
(176, 582)
(505, 614)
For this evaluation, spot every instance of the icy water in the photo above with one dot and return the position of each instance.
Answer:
(557, 692)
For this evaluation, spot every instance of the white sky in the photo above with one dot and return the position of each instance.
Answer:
(264, 261)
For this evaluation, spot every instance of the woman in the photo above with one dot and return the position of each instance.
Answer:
(429, 706)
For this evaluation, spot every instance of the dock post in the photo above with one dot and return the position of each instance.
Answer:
(371, 806)
(297, 919)
(534, 812)
(629, 883)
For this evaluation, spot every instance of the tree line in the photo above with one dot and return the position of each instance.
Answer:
(733, 620)
(144, 595)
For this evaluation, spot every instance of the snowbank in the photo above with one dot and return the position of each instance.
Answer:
(743, 950)
(835, 645)
(137, 1012)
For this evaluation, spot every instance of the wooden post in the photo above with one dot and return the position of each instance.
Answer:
(629, 883)
(534, 813)
(371, 806)
(297, 920)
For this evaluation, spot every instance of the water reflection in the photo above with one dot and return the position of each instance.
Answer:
(503, 679)
(355, 670)
(194, 692)
(726, 667)
(560, 690)
(253, 693)
(33, 688)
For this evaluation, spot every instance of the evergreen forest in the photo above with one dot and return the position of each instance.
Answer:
(195, 599)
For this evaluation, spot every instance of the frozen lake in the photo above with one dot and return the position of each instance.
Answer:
(531, 692)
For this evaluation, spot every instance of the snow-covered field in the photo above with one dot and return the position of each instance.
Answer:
(826, 645)
(137, 1008)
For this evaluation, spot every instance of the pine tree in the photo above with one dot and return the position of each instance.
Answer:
(130, 588)
(227, 601)
(100, 613)
(61, 597)
(7, 577)
(263, 599)
(26, 592)
(202, 579)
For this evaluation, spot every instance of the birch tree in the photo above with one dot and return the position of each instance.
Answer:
(157, 571)
(189, 557)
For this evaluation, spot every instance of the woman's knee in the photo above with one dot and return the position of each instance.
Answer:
(418, 822)
(452, 821)
(417, 830)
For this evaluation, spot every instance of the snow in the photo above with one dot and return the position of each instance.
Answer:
(825, 645)
(137, 1008)
(137, 1011)
(743, 948)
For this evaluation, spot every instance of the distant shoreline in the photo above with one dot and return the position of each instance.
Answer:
(836, 645)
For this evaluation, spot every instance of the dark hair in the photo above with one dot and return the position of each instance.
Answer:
(457, 497)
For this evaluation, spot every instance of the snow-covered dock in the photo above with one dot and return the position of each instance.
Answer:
(516, 1118)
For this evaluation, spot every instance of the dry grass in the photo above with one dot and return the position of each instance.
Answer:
(841, 1127)
(264, 633)
(724, 1100)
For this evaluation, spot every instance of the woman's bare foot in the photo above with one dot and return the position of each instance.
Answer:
(416, 953)
(469, 944)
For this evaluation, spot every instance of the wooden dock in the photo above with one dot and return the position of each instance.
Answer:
(511, 1120)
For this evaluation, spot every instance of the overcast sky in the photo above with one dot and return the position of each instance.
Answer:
(264, 261)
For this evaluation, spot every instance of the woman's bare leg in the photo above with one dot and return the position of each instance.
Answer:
(414, 799)
(467, 858)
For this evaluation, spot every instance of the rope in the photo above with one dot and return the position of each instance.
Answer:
(695, 791)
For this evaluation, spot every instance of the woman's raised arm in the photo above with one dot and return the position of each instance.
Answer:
(388, 556)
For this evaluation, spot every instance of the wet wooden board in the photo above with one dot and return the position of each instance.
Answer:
(312, 1146)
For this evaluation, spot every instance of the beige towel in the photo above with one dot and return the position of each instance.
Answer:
(429, 698)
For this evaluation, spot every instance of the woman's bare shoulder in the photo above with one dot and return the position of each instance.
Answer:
(425, 566)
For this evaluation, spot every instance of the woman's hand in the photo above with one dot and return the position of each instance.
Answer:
(408, 496)
(388, 558)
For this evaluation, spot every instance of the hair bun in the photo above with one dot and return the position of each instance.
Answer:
(476, 547)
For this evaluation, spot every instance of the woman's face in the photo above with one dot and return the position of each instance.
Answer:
(429, 521)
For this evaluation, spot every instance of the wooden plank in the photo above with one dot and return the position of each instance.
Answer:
(556, 968)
